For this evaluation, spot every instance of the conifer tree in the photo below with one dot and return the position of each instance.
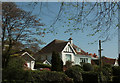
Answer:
(57, 63)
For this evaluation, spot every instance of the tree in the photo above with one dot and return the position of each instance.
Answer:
(57, 63)
(18, 25)
(99, 17)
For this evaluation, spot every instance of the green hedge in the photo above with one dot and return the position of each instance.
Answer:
(50, 76)
(13, 81)
(116, 71)
(116, 79)
(41, 65)
(75, 73)
(87, 67)
(40, 77)
(90, 77)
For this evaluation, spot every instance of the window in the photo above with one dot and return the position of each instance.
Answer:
(68, 57)
(84, 60)
(78, 50)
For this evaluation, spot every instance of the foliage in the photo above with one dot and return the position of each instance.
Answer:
(41, 65)
(116, 79)
(75, 14)
(96, 68)
(107, 71)
(87, 67)
(57, 63)
(18, 26)
(14, 70)
(75, 73)
(16, 62)
(90, 77)
(68, 64)
(116, 70)
(50, 76)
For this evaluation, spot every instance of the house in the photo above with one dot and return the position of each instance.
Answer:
(30, 61)
(67, 51)
(106, 60)
(111, 61)
(45, 62)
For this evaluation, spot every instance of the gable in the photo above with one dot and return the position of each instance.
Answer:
(27, 57)
(68, 49)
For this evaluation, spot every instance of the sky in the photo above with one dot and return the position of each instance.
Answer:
(110, 48)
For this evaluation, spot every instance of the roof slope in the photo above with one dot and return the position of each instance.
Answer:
(58, 46)
(55, 45)
(108, 60)
(105, 60)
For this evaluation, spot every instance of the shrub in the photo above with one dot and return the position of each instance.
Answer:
(41, 77)
(50, 76)
(41, 65)
(107, 72)
(14, 74)
(96, 68)
(116, 79)
(75, 73)
(68, 64)
(87, 67)
(116, 70)
(14, 70)
(90, 77)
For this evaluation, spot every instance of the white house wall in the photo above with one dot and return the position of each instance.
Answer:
(32, 65)
(77, 59)
(64, 57)
(64, 52)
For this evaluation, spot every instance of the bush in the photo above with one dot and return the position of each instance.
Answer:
(41, 65)
(107, 72)
(116, 79)
(75, 73)
(50, 76)
(116, 71)
(68, 64)
(14, 74)
(41, 77)
(96, 68)
(90, 77)
(14, 70)
(87, 67)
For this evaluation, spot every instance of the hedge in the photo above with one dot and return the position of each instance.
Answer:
(75, 73)
(41, 65)
(90, 77)
(50, 76)
(41, 77)
(88, 67)
(116, 79)
(116, 71)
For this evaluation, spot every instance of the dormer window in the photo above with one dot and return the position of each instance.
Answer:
(78, 49)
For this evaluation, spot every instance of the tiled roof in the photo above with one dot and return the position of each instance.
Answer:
(105, 60)
(83, 52)
(58, 46)
(55, 45)
(108, 60)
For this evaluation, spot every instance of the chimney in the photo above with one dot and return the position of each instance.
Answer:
(71, 41)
